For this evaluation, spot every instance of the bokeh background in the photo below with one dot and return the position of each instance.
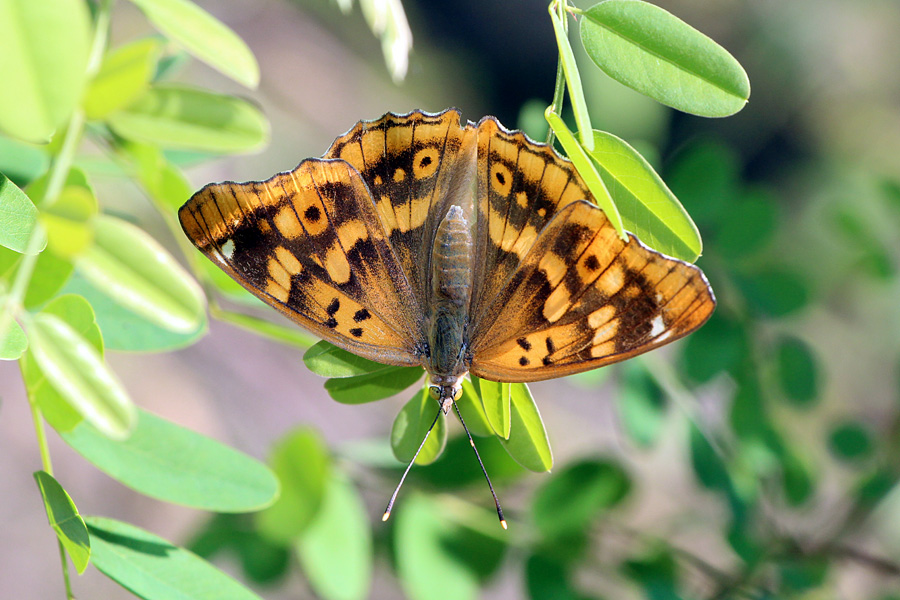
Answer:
(763, 452)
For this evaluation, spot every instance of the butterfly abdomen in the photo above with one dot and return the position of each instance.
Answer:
(451, 288)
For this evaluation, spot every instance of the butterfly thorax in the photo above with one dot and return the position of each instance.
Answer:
(451, 288)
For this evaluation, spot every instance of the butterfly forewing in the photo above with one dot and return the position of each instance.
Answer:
(583, 298)
(416, 166)
(310, 243)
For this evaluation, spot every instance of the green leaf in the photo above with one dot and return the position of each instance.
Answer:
(13, 342)
(76, 370)
(164, 181)
(335, 551)
(412, 424)
(77, 312)
(746, 227)
(720, 345)
(168, 462)
(291, 336)
(707, 177)
(642, 405)
(302, 463)
(124, 75)
(527, 443)
(65, 520)
(472, 410)
(572, 498)
(135, 271)
(45, 54)
(573, 80)
(182, 117)
(22, 162)
(328, 360)
(204, 36)
(652, 51)
(153, 568)
(587, 170)
(125, 330)
(851, 441)
(68, 221)
(797, 371)
(496, 399)
(648, 208)
(548, 578)
(18, 216)
(707, 464)
(376, 385)
(775, 291)
(426, 565)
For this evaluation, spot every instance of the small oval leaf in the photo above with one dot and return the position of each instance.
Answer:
(168, 462)
(659, 55)
(124, 75)
(573, 80)
(181, 117)
(134, 270)
(528, 443)
(76, 370)
(204, 36)
(18, 218)
(496, 400)
(328, 360)
(472, 409)
(648, 208)
(42, 65)
(336, 549)
(302, 463)
(155, 569)
(798, 372)
(13, 342)
(376, 385)
(411, 425)
(65, 520)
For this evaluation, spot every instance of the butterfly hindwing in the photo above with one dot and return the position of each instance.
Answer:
(582, 298)
(416, 166)
(310, 243)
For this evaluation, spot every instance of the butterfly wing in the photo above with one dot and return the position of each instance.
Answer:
(416, 166)
(310, 243)
(559, 291)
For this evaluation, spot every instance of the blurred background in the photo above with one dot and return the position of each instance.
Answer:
(758, 458)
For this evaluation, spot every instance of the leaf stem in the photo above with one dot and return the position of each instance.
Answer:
(559, 89)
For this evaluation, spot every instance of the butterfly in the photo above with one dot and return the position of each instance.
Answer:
(421, 240)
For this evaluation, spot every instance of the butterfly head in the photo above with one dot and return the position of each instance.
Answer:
(446, 394)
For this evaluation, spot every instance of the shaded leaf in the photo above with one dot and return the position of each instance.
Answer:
(335, 551)
(548, 578)
(134, 270)
(204, 36)
(411, 425)
(168, 462)
(652, 51)
(496, 399)
(376, 385)
(22, 162)
(328, 360)
(648, 208)
(642, 405)
(302, 463)
(775, 291)
(181, 117)
(851, 441)
(797, 370)
(155, 569)
(746, 227)
(13, 342)
(18, 217)
(472, 409)
(65, 520)
(528, 443)
(42, 66)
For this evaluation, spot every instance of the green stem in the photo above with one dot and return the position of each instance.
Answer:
(559, 90)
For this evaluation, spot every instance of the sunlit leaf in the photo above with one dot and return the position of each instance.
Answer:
(528, 443)
(648, 208)
(181, 117)
(410, 427)
(22, 162)
(13, 342)
(376, 385)
(328, 360)
(65, 520)
(124, 75)
(204, 36)
(472, 410)
(42, 65)
(302, 463)
(153, 568)
(68, 221)
(496, 400)
(573, 81)
(76, 370)
(134, 270)
(335, 551)
(652, 51)
(168, 462)
(18, 217)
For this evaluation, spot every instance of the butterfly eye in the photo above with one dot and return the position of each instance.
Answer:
(435, 392)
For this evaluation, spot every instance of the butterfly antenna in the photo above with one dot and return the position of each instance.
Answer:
(387, 511)
(481, 464)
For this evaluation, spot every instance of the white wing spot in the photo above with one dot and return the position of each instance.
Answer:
(228, 249)
(657, 326)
